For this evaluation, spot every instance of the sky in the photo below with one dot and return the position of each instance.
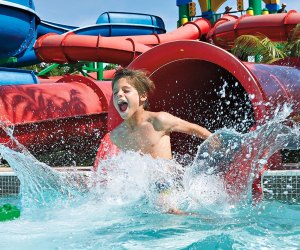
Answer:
(84, 13)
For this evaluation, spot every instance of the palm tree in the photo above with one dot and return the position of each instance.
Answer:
(265, 50)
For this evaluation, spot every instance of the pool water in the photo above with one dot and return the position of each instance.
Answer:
(125, 206)
(96, 225)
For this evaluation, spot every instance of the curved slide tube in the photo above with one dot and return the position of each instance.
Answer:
(211, 81)
(105, 29)
(71, 48)
(69, 114)
(108, 24)
(276, 27)
(18, 28)
(120, 50)
(141, 24)
(17, 77)
(45, 27)
(217, 89)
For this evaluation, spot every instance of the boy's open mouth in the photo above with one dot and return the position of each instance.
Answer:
(123, 105)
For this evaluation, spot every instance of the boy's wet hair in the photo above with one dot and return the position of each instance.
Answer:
(137, 79)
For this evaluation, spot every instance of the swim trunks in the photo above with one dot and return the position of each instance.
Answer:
(172, 182)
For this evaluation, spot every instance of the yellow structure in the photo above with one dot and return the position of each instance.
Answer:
(184, 20)
(240, 5)
(271, 1)
(192, 9)
(250, 11)
(212, 5)
(265, 11)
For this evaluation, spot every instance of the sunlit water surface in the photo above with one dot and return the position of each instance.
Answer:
(125, 206)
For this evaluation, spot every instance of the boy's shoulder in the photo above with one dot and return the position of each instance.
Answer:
(161, 120)
(159, 116)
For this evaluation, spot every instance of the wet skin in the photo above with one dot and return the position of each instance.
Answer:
(144, 131)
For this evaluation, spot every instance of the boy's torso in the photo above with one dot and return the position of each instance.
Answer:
(143, 138)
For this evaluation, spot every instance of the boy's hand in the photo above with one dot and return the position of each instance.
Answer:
(296, 118)
(214, 143)
(292, 120)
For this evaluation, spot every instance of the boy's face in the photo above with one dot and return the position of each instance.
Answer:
(126, 98)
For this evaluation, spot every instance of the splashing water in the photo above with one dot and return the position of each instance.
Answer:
(40, 183)
(240, 158)
(124, 207)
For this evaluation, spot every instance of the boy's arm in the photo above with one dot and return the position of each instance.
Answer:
(170, 123)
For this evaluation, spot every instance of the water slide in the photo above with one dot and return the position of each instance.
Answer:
(121, 50)
(28, 57)
(20, 16)
(275, 27)
(18, 26)
(108, 24)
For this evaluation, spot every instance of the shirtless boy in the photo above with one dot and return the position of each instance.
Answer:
(142, 130)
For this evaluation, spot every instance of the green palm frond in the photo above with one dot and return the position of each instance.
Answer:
(254, 45)
(246, 45)
(271, 51)
(293, 48)
(295, 34)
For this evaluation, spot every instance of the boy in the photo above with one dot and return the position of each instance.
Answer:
(142, 130)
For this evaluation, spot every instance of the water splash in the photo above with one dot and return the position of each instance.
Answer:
(130, 177)
(240, 157)
(41, 185)
(219, 176)
(125, 204)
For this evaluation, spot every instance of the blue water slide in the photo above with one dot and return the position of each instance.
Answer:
(45, 27)
(25, 3)
(18, 27)
(108, 24)
(140, 24)
(17, 76)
